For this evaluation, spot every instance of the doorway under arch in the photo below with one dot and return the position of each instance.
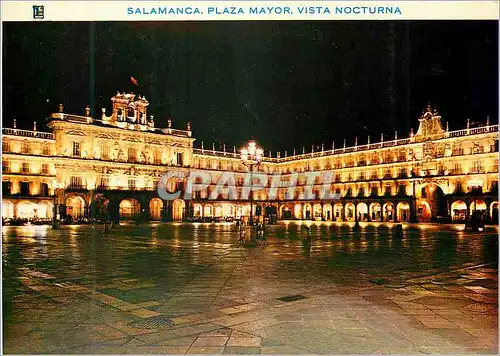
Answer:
(307, 212)
(297, 211)
(155, 209)
(350, 211)
(75, 207)
(362, 212)
(403, 211)
(178, 206)
(375, 212)
(434, 196)
(458, 210)
(424, 211)
(130, 209)
(388, 211)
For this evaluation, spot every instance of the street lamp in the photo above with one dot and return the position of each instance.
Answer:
(251, 156)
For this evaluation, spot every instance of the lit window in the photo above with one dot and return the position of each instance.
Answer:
(25, 148)
(131, 154)
(25, 167)
(104, 151)
(76, 149)
(131, 184)
(5, 146)
(76, 182)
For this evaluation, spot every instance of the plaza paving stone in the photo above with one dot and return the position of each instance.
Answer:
(79, 291)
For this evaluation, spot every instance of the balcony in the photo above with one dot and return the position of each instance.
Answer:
(27, 133)
(477, 170)
(74, 187)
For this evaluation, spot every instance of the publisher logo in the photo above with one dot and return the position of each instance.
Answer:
(38, 12)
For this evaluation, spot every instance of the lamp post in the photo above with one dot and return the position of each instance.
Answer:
(55, 224)
(413, 217)
(251, 156)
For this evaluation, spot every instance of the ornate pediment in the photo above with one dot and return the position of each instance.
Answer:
(430, 125)
(131, 139)
(76, 133)
(105, 136)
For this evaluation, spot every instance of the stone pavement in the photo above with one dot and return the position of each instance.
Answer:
(176, 288)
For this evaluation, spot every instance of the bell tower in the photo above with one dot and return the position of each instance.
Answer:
(430, 125)
(129, 109)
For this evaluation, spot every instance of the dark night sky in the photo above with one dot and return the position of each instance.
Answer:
(287, 84)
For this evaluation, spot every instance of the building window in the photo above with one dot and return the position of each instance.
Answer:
(25, 189)
(180, 161)
(423, 193)
(361, 192)
(44, 189)
(45, 168)
(157, 157)
(45, 150)
(25, 148)
(104, 152)
(374, 191)
(477, 167)
(131, 184)
(5, 166)
(6, 188)
(132, 157)
(5, 146)
(402, 189)
(494, 146)
(388, 190)
(76, 149)
(75, 182)
(25, 168)
(103, 183)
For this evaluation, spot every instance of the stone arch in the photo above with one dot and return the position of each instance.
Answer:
(388, 211)
(403, 211)
(228, 210)
(494, 212)
(297, 211)
(338, 212)
(327, 211)
(25, 209)
(362, 212)
(208, 210)
(178, 207)
(75, 206)
(7, 209)
(217, 210)
(317, 211)
(478, 206)
(197, 210)
(375, 211)
(307, 212)
(458, 210)
(424, 211)
(286, 212)
(155, 209)
(129, 209)
(433, 193)
(350, 211)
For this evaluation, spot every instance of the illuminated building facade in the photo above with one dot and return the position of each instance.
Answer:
(110, 167)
